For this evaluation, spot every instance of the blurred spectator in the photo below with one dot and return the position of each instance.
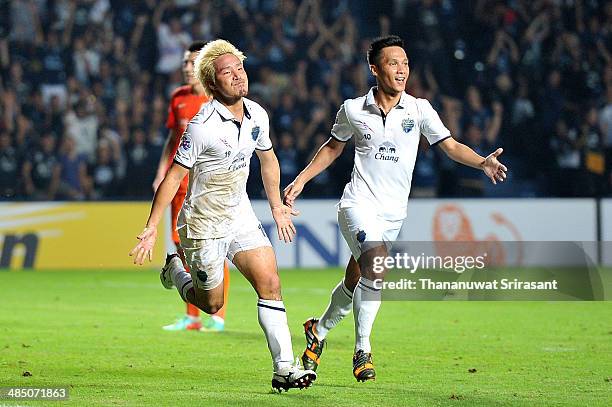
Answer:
(82, 125)
(288, 159)
(142, 160)
(475, 112)
(41, 170)
(25, 21)
(105, 172)
(471, 182)
(54, 68)
(74, 182)
(9, 167)
(567, 146)
(552, 101)
(425, 176)
(172, 40)
(504, 54)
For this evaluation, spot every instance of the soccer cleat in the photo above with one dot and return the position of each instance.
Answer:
(293, 377)
(164, 274)
(363, 369)
(213, 324)
(314, 346)
(185, 323)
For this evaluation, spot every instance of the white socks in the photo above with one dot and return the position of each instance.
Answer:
(340, 305)
(366, 302)
(180, 277)
(273, 320)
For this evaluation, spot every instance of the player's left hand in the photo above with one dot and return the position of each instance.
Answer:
(144, 248)
(495, 170)
(284, 226)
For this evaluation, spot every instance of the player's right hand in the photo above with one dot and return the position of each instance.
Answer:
(144, 248)
(292, 191)
(285, 228)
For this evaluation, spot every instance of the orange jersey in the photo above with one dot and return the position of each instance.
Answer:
(184, 104)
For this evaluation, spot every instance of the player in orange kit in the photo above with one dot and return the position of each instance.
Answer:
(184, 104)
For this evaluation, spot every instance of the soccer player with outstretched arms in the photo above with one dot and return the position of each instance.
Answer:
(217, 219)
(386, 124)
(185, 102)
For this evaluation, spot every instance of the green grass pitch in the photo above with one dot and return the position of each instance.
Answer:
(99, 332)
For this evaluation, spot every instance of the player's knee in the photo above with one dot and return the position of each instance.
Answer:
(207, 304)
(269, 287)
(211, 307)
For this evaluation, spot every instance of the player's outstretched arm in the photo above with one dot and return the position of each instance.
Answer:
(166, 191)
(323, 158)
(461, 153)
(270, 175)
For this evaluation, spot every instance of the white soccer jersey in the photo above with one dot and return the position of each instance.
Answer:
(385, 150)
(217, 151)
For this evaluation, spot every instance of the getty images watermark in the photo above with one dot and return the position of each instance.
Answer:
(490, 271)
(458, 264)
(404, 261)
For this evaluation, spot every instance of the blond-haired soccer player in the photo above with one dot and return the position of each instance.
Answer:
(387, 125)
(185, 102)
(217, 219)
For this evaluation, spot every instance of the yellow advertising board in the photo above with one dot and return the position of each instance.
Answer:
(66, 235)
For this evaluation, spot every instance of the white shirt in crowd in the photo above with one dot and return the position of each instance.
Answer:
(217, 150)
(171, 48)
(385, 150)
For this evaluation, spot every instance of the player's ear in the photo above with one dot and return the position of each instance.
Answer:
(374, 70)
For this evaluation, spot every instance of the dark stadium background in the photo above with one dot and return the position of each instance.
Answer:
(532, 76)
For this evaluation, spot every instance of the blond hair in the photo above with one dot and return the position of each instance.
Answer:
(204, 69)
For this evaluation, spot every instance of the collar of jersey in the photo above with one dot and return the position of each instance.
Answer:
(371, 101)
(225, 113)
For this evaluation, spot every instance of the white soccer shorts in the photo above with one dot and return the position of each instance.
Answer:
(205, 257)
(362, 228)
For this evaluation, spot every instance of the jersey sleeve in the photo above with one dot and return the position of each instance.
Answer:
(192, 144)
(263, 139)
(431, 126)
(171, 120)
(342, 129)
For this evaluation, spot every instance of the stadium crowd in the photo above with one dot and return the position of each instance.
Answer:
(85, 84)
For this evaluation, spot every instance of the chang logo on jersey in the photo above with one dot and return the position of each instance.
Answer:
(238, 162)
(387, 152)
(407, 125)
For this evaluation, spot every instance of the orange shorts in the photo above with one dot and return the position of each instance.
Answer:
(175, 208)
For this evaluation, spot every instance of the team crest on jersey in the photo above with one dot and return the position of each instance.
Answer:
(255, 132)
(186, 142)
(407, 125)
